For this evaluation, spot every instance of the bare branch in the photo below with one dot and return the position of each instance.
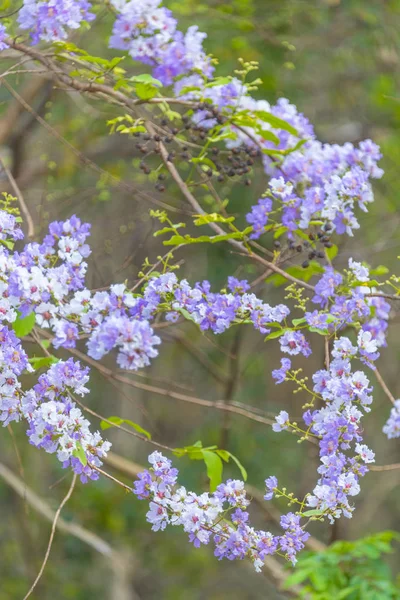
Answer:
(53, 530)
(18, 193)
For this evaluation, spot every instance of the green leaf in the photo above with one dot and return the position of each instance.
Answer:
(145, 91)
(280, 231)
(218, 81)
(214, 468)
(38, 362)
(276, 122)
(212, 218)
(268, 135)
(119, 421)
(313, 513)
(332, 252)
(380, 270)
(319, 331)
(274, 334)
(79, 453)
(23, 325)
(298, 321)
(240, 466)
(147, 79)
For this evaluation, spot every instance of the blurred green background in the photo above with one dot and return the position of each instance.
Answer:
(339, 62)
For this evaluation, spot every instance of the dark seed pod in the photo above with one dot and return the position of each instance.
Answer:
(328, 244)
(277, 244)
(320, 254)
(247, 182)
(220, 178)
(299, 248)
(161, 177)
(305, 264)
(311, 237)
(312, 255)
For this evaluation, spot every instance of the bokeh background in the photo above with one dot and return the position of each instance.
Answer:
(339, 62)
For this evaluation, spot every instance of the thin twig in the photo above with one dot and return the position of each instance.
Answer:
(384, 386)
(22, 203)
(42, 508)
(53, 530)
(327, 352)
(384, 467)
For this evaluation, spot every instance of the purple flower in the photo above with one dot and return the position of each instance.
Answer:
(282, 421)
(280, 374)
(392, 425)
(50, 20)
(325, 287)
(236, 286)
(271, 483)
(317, 319)
(294, 342)
(3, 36)
(258, 217)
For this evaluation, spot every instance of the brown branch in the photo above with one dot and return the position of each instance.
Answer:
(384, 386)
(42, 508)
(384, 467)
(127, 187)
(17, 192)
(53, 530)
(95, 88)
(28, 93)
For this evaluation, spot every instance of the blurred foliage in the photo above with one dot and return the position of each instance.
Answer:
(351, 570)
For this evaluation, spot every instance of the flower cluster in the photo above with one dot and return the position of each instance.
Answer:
(54, 421)
(56, 424)
(3, 36)
(119, 319)
(310, 185)
(358, 305)
(392, 425)
(149, 33)
(50, 20)
(204, 517)
(336, 426)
